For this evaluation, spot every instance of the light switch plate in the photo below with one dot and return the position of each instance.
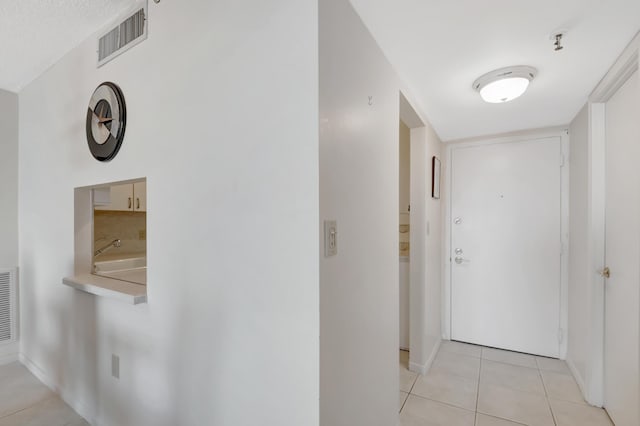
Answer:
(330, 238)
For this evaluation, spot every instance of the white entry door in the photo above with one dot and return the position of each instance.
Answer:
(622, 245)
(506, 245)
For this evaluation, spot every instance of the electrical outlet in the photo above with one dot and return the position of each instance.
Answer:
(115, 366)
(330, 238)
(142, 234)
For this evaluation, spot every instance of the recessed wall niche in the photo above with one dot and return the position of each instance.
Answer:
(111, 240)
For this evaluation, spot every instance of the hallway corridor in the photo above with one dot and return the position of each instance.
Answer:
(475, 386)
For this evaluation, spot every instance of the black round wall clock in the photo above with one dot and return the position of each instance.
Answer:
(106, 121)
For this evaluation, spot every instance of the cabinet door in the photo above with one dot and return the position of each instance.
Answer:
(140, 196)
(121, 198)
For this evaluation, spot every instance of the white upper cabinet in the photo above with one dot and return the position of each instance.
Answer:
(140, 196)
(127, 197)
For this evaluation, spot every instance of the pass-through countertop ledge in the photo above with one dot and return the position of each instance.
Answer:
(124, 291)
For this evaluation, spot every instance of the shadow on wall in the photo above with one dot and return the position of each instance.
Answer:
(77, 346)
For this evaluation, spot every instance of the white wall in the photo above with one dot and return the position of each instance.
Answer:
(579, 283)
(358, 188)
(8, 196)
(223, 121)
(426, 250)
(8, 179)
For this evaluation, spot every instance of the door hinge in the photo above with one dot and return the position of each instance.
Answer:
(560, 335)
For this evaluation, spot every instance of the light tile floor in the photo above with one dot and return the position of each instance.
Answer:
(25, 401)
(471, 385)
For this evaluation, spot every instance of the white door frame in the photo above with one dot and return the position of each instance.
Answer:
(563, 134)
(411, 118)
(615, 78)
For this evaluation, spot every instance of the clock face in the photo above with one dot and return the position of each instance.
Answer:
(106, 121)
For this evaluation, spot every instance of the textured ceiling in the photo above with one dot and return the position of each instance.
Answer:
(35, 34)
(440, 47)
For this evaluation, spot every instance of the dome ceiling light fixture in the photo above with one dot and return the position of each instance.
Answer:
(505, 84)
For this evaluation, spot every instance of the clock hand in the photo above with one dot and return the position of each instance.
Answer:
(98, 114)
(101, 119)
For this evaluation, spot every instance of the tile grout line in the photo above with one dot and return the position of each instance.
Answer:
(541, 374)
(493, 416)
(508, 386)
(414, 383)
(478, 390)
(512, 365)
(442, 403)
(26, 408)
(537, 366)
(506, 420)
(409, 392)
(410, 389)
(475, 421)
(406, 398)
(546, 394)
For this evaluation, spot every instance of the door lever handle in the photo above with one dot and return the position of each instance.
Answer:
(459, 260)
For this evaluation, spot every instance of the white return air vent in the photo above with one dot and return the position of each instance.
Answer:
(123, 35)
(8, 311)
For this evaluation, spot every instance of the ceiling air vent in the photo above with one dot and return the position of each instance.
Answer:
(7, 306)
(123, 36)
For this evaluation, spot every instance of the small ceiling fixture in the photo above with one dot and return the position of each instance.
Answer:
(558, 44)
(557, 37)
(504, 84)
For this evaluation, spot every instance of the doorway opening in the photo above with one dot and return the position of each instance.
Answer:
(420, 269)
(410, 304)
(404, 234)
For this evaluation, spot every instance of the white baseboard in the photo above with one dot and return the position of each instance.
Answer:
(418, 368)
(424, 368)
(78, 406)
(579, 379)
